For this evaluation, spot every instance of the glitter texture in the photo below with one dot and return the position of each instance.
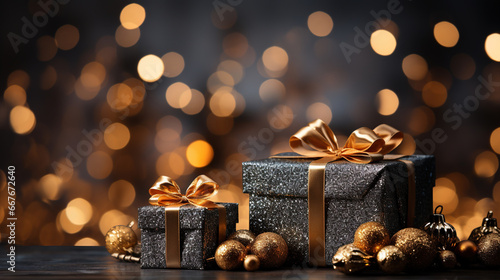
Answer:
(354, 194)
(199, 234)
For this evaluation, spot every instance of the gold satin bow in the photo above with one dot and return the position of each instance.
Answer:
(363, 145)
(166, 192)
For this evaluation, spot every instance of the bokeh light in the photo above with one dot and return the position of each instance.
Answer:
(127, 37)
(47, 48)
(99, 165)
(233, 68)
(116, 136)
(119, 96)
(383, 42)
(178, 95)
(222, 103)
(446, 34)
(19, 77)
(51, 186)
(235, 45)
(275, 59)
(319, 110)
(415, 67)
(196, 102)
(320, 23)
(272, 90)
(121, 193)
(93, 75)
(492, 46)
(67, 36)
(15, 95)
(22, 120)
(132, 16)
(87, 241)
(434, 94)
(174, 64)
(199, 153)
(79, 211)
(422, 119)
(48, 78)
(387, 102)
(495, 140)
(150, 68)
(112, 218)
(281, 116)
(486, 164)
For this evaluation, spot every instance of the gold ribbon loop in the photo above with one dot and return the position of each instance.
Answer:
(166, 192)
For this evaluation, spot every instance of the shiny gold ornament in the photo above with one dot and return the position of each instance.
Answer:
(466, 252)
(443, 233)
(271, 249)
(419, 249)
(489, 226)
(244, 236)
(489, 250)
(371, 237)
(251, 263)
(121, 239)
(350, 259)
(230, 254)
(447, 259)
(391, 259)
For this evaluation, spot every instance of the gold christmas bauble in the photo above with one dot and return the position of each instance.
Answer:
(418, 247)
(120, 239)
(271, 249)
(447, 259)
(244, 236)
(349, 259)
(466, 252)
(391, 259)
(489, 250)
(251, 263)
(230, 254)
(371, 237)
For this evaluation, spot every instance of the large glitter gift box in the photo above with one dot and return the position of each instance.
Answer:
(317, 213)
(186, 234)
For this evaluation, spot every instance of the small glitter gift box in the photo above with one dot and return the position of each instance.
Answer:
(316, 203)
(185, 233)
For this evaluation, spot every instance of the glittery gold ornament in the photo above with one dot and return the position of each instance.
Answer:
(419, 249)
(489, 250)
(251, 263)
(244, 236)
(466, 252)
(350, 259)
(230, 254)
(121, 239)
(271, 249)
(447, 259)
(391, 259)
(371, 237)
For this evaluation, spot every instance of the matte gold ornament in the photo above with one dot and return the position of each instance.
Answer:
(371, 237)
(350, 259)
(121, 239)
(489, 250)
(447, 259)
(443, 233)
(488, 226)
(230, 254)
(271, 249)
(466, 252)
(244, 236)
(391, 259)
(251, 263)
(419, 249)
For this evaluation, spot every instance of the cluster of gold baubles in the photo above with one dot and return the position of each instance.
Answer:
(415, 250)
(243, 249)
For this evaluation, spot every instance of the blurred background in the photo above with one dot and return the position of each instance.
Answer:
(102, 97)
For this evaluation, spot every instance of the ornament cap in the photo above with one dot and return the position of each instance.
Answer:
(438, 217)
(489, 221)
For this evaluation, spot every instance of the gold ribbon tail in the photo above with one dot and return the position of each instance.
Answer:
(172, 237)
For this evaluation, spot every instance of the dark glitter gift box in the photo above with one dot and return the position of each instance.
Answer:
(354, 194)
(199, 234)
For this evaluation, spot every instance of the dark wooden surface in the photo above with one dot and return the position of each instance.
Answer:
(36, 262)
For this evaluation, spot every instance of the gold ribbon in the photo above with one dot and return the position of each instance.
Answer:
(165, 192)
(317, 140)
